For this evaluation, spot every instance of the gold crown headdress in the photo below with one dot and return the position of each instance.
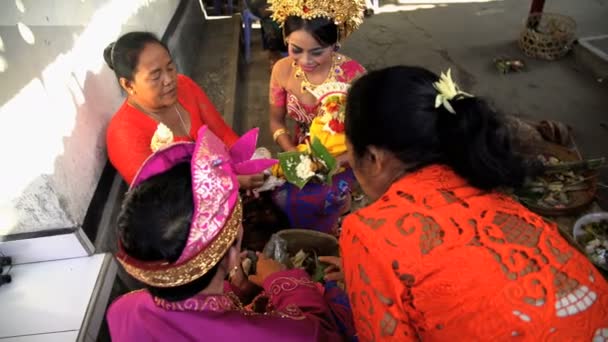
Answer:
(346, 14)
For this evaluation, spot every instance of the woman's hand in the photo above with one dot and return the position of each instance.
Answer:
(250, 182)
(237, 276)
(264, 269)
(334, 271)
(343, 160)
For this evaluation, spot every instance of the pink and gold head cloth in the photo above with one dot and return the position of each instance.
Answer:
(217, 208)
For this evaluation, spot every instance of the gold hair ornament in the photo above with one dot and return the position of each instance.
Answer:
(346, 14)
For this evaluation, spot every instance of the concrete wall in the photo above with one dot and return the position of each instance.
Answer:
(56, 100)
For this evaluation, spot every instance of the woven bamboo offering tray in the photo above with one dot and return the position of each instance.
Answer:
(547, 36)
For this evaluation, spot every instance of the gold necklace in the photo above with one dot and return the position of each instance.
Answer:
(179, 115)
(306, 85)
(158, 117)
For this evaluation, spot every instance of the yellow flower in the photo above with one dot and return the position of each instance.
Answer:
(332, 107)
(448, 90)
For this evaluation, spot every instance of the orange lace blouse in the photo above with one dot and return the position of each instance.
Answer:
(435, 259)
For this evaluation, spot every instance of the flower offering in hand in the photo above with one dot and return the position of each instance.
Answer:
(315, 162)
(162, 137)
(328, 127)
(333, 108)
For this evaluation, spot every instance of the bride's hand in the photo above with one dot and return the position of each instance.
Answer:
(250, 182)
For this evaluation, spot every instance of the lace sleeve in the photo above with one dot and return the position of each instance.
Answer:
(378, 306)
(277, 93)
(128, 148)
(352, 70)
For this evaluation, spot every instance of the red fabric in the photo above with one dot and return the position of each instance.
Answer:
(130, 130)
(279, 96)
(435, 259)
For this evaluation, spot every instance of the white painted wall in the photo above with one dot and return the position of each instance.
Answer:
(57, 96)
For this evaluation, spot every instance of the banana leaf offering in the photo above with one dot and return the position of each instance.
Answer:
(507, 65)
(596, 244)
(305, 259)
(315, 164)
(561, 184)
(308, 261)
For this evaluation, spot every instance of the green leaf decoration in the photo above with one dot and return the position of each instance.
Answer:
(289, 161)
(319, 151)
(319, 271)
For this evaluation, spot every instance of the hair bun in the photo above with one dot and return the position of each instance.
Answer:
(107, 55)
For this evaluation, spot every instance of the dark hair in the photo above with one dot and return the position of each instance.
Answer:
(122, 56)
(322, 29)
(394, 109)
(154, 223)
(261, 218)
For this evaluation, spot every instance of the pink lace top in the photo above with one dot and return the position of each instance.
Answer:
(346, 71)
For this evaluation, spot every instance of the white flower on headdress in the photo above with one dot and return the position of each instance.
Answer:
(448, 90)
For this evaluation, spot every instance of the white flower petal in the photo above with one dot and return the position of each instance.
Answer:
(449, 107)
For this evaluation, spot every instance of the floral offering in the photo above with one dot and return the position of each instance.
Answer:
(313, 163)
(162, 137)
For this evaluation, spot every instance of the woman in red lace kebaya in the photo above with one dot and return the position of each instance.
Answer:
(440, 254)
(156, 94)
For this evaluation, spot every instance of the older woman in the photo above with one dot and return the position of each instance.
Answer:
(180, 234)
(312, 30)
(440, 254)
(156, 94)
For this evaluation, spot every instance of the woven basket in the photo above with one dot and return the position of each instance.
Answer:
(547, 36)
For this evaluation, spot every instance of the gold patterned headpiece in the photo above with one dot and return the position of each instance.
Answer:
(346, 14)
(217, 212)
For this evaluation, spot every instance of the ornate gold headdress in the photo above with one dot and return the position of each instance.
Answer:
(346, 14)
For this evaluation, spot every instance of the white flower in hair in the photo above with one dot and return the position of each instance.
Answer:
(448, 90)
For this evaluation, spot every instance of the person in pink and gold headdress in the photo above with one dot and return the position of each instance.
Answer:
(180, 232)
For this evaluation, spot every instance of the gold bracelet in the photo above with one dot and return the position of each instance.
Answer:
(278, 133)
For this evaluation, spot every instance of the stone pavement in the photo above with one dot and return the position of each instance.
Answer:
(466, 36)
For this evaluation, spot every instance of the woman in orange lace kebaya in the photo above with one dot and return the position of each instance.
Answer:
(439, 255)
